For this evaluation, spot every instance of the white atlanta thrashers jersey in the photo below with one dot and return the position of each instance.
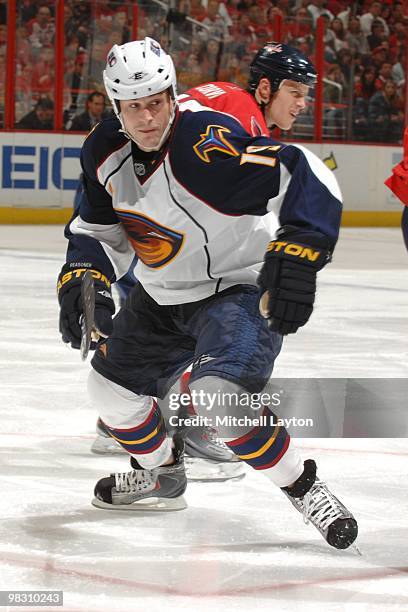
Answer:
(199, 213)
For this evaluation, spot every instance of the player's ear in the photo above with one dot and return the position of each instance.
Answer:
(264, 90)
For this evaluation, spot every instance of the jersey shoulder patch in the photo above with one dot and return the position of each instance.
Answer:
(216, 160)
(102, 142)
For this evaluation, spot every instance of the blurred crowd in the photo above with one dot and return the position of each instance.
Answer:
(365, 49)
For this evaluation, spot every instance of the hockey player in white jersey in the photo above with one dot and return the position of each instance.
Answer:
(211, 214)
(277, 87)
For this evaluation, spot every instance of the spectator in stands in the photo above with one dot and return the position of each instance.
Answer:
(399, 70)
(27, 10)
(345, 15)
(217, 25)
(365, 86)
(244, 5)
(24, 52)
(301, 27)
(329, 39)
(377, 36)
(364, 89)
(80, 22)
(305, 45)
(232, 72)
(384, 75)
(254, 14)
(379, 55)
(385, 115)
(264, 28)
(40, 118)
(244, 32)
(3, 39)
(72, 46)
(335, 6)
(345, 61)
(42, 82)
(103, 19)
(355, 39)
(338, 30)
(374, 14)
(317, 8)
(114, 38)
(360, 120)
(210, 60)
(120, 24)
(94, 113)
(197, 10)
(333, 91)
(42, 28)
(189, 74)
(398, 39)
(397, 12)
(386, 13)
(97, 64)
(75, 81)
(23, 91)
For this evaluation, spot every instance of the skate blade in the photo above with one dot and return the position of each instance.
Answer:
(203, 470)
(150, 504)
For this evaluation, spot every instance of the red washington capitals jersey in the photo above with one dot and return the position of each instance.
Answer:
(233, 100)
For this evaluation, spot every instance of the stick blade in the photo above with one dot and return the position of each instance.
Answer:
(88, 313)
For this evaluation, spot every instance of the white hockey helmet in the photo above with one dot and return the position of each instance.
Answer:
(138, 69)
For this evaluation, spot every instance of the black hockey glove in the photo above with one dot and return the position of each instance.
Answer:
(288, 277)
(69, 297)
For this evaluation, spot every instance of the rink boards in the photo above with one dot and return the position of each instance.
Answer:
(39, 174)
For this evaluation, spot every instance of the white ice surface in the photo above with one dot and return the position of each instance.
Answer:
(239, 546)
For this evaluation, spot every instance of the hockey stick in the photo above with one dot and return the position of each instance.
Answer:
(88, 312)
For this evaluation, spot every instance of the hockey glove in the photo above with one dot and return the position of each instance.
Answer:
(288, 278)
(69, 297)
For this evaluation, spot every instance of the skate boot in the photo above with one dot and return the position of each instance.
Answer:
(159, 489)
(320, 507)
(208, 458)
(104, 444)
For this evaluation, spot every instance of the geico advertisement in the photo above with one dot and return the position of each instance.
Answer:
(39, 169)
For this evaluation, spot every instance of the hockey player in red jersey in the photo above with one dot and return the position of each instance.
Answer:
(212, 214)
(398, 183)
(279, 81)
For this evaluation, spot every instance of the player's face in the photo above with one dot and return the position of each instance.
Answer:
(146, 118)
(286, 104)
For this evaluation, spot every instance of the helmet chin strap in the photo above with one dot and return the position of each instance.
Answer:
(163, 136)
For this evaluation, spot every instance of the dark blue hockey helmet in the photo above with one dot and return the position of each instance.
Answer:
(276, 62)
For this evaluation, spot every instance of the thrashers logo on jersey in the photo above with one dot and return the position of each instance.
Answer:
(154, 244)
(213, 139)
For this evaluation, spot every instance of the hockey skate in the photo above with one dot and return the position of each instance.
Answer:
(104, 444)
(207, 458)
(319, 506)
(159, 489)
